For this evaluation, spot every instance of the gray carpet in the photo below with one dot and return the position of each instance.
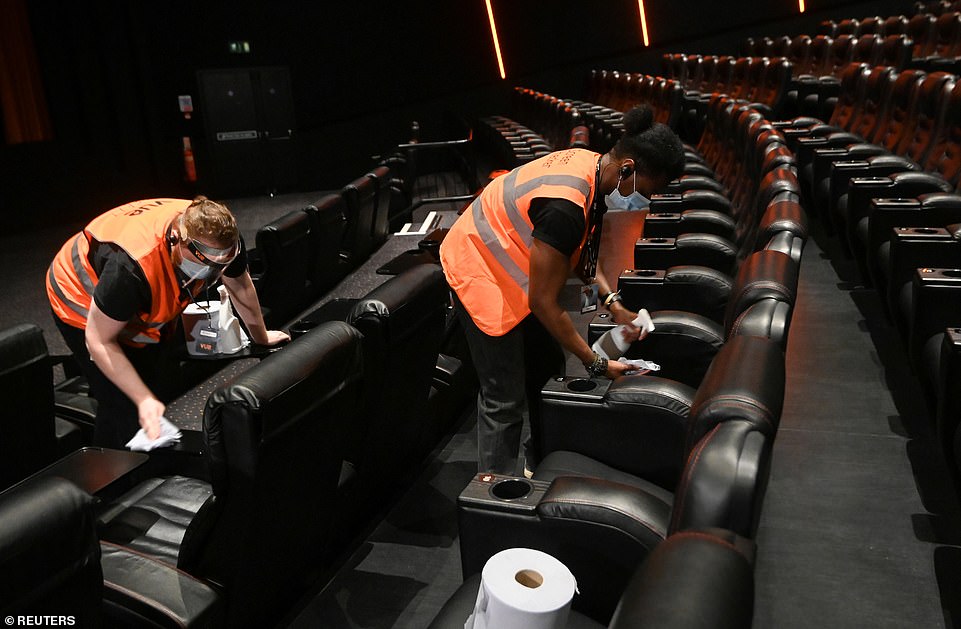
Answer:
(858, 508)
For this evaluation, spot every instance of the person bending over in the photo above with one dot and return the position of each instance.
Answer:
(117, 290)
(508, 257)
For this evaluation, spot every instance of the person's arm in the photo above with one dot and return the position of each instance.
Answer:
(102, 338)
(549, 271)
(243, 296)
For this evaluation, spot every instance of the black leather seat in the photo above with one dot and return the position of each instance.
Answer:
(32, 432)
(282, 263)
(328, 223)
(693, 580)
(604, 507)
(684, 343)
(51, 564)
(361, 197)
(403, 323)
(274, 448)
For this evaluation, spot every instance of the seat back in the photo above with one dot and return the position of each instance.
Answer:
(27, 435)
(899, 111)
(274, 439)
(402, 322)
(49, 552)
(764, 275)
(932, 95)
(285, 252)
(361, 199)
(380, 226)
(328, 223)
(733, 422)
(944, 154)
(689, 577)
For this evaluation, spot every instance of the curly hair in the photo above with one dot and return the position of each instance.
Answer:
(655, 148)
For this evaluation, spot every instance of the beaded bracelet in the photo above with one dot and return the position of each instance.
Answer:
(598, 367)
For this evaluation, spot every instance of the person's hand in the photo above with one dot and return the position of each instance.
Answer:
(275, 337)
(621, 313)
(149, 413)
(616, 369)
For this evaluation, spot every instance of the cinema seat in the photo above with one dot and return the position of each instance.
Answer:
(601, 514)
(274, 448)
(693, 580)
(32, 432)
(51, 564)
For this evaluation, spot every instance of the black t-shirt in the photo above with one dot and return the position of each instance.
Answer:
(558, 222)
(122, 290)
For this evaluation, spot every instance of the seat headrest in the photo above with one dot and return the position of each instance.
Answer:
(766, 274)
(745, 381)
(405, 299)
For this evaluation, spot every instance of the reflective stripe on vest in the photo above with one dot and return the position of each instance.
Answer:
(489, 247)
(140, 230)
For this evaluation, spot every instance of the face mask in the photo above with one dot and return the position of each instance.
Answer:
(632, 202)
(195, 271)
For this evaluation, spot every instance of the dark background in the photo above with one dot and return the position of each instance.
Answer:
(359, 74)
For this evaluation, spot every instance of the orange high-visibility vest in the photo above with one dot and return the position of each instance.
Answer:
(140, 229)
(486, 255)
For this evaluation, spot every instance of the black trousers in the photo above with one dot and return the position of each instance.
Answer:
(511, 370)
(117, 420)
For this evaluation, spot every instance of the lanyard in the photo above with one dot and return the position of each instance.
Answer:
(595, 221)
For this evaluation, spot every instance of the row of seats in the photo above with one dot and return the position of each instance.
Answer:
(298, 454)
(870, 25)
(635, 466)
(885, 175)
(893, 134)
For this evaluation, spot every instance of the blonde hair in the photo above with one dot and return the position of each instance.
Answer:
(211, 221)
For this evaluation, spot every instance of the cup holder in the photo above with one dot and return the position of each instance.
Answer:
(511, 489)
(581, 385)
(924, 230)
(301, 327)
(645, 273)
(657, 240)
(951, 273)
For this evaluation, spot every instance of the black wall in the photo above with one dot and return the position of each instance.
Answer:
(112, 70)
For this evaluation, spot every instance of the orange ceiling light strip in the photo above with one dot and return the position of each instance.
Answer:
(800, 5)
(640, 5)
(497, 44)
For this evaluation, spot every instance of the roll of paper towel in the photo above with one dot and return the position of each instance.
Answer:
(523, 588)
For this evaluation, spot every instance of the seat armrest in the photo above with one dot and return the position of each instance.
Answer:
(689, 200)
(145, 592)
(635, 424)
(696, 289)
(861, 190)
(706, 250)
(671, 225)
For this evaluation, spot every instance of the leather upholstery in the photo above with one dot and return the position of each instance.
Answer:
(693, 580)
(328, 224)
(51, 564)
(49, 554)
(284, 253)
(32, 433)
(280, 424)
(361, 197)
(403, 323)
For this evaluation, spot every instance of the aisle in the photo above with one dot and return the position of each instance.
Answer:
(852, 528)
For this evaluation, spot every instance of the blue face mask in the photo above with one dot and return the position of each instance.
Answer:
(632, 202)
